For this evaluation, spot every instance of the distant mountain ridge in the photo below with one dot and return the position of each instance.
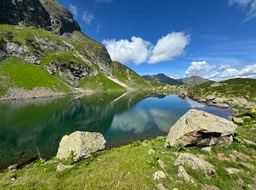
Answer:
(188, 81)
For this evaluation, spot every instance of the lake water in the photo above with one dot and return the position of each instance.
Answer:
(39, 124)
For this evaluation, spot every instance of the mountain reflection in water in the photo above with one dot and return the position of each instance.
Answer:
(28, 125)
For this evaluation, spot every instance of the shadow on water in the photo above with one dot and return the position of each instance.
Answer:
(28, 125)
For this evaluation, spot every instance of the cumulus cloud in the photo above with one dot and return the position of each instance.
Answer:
(169, 46)
(87, 17)
(140, 51)
(73, 10)
(136, 50)
(220, 72)
(249, 5)
(197, 68)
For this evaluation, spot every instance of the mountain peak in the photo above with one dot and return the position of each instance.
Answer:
(46, 14)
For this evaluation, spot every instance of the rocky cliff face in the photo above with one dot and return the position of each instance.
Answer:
(46, 14)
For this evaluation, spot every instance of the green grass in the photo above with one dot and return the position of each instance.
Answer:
(131, 167)
(29, 76)
(100, 83)
(61, 57)
(129, 77)
(239, 87)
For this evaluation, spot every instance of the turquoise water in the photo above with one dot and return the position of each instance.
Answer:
(28, 125)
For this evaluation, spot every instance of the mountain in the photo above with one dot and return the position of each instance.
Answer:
(192, 81)
(162, 78)
(188, 81)
(44, 53)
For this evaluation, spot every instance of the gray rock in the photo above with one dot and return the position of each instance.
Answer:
(237, 120)
(13, 167)
(195, 163)
(233, 170)
(161, 163)
(207, 149)
(81, 144)
(161, 186)
(201, 129)
(159, 175)
(210, 97)
(184, 175)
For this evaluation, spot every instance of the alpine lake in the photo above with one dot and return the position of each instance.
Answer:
(33, 127)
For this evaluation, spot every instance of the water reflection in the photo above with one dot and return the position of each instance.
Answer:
(28, 125)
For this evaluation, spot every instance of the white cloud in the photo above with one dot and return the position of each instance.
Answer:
(87, 17)
(124, 51)
(220, 72)
(140, 51)
(168, 47)
(249, 5)
(242, 3)
(73, 10)
(198, 68)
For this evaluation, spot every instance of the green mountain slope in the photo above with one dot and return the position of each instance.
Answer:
(129, 77)
(239, 87)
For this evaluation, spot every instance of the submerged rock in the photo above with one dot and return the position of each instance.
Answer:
(80, 145)
(201, 129)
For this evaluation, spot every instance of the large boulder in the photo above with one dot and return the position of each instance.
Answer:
(80, 145)
(201, 129)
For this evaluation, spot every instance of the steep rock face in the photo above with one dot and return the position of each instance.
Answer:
(46, 14)
(61, 19)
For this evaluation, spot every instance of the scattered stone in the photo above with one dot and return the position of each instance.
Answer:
(195, 163)
(249, 166)
(221, 105)
(184, 175)
(233, 170)
(249, 142)
(232, 157)
(151, 151)
(13, 178)
(159, 175)
(209, 187)
(210, 97)
(80, 144)
(222, 157)
(207, 149)
(161, 163)
(13, 167)
(238, 120)
(241, 155)
(240, 181)
(252, 186)
(161, 186)
(183, 94)
(61, 167)
(201, 129)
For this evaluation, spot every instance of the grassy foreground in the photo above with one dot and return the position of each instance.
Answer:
(132, 167)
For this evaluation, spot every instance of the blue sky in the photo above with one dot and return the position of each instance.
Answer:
(215, 39)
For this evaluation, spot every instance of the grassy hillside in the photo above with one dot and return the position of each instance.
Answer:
(240, 87)
(16, 73)
(129, 77)
(100, 83)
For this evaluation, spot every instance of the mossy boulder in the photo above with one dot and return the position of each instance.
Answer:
(80, 145)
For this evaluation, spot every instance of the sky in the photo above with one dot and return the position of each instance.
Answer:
(214, 39)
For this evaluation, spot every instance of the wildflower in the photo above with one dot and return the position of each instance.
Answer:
(254, 110)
